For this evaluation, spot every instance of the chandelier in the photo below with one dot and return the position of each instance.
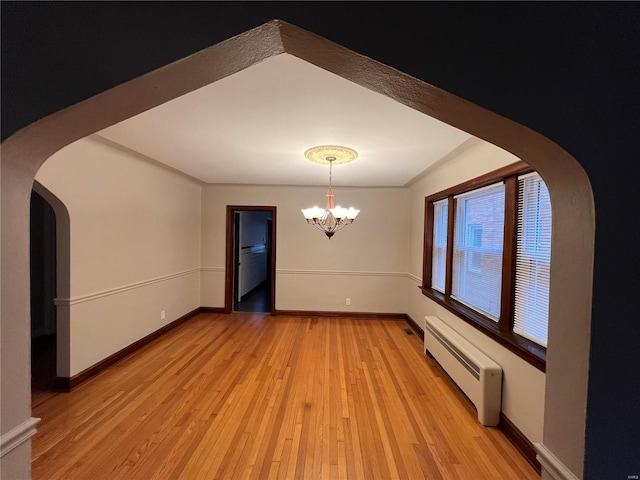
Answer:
(332, 218)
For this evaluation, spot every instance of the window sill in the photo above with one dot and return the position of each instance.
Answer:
(526, 349)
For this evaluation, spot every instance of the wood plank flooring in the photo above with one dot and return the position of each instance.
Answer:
(260, 397)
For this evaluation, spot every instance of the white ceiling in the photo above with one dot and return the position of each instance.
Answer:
(253, 127)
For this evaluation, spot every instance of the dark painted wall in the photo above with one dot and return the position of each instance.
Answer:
(570, 71)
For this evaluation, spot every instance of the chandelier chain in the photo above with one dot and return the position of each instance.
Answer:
(330, 167)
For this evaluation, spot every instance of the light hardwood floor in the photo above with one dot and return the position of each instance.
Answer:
(256, 396)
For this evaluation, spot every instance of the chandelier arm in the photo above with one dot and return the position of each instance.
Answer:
(329, 224)
(340, 226)
(322, 228)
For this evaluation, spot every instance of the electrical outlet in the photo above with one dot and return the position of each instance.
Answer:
(162, 315)
(348, 301)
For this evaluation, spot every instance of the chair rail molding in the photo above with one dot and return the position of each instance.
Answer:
(288, 271)
(124, 288)
(18, 435)
(552, 465)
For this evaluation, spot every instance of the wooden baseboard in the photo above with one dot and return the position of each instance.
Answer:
(414, 326)
(66, 384)
(61, 384)
(316, 313)
(522, 443)
(211, 310)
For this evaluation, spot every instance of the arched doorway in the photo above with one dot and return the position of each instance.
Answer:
(59, 247)
(43, 294)
(571, 197)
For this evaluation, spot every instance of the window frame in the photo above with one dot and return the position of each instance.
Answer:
(502, 330)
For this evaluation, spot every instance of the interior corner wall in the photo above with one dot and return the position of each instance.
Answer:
(134, 246)
(523, 388)
(365, 262)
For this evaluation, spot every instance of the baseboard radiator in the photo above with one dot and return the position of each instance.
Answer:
(479, 377)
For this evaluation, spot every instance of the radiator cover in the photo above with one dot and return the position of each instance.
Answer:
(479, 377)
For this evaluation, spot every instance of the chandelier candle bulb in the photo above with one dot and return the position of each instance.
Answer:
(332, 218)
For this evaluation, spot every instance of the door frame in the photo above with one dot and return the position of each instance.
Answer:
(229, 256)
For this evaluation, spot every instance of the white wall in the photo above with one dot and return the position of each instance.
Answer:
(135, 246)
(523, 387)
(366, 261)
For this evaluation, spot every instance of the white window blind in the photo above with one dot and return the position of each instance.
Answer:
(439, 254)
(477, 249)
(533, 259)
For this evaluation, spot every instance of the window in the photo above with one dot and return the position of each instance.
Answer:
(533, 259)
(488, 256)
(439, 245)
(477, 258)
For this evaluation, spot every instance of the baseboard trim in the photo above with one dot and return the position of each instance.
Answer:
(211, 310)
(414, 326)
(552, 465)
(67, 384)
(317, 313)
(522, 443)
(18, 435)
(61, 384)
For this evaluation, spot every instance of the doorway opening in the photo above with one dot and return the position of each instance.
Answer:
(43, 268)
(250, 262)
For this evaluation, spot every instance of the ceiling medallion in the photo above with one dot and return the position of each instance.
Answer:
(331, 154)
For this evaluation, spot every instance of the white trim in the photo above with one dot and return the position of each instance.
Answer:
(114, 291)
(18, 435)
(340, 272)
(415, 278)
(124, 288)
(552, 465)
